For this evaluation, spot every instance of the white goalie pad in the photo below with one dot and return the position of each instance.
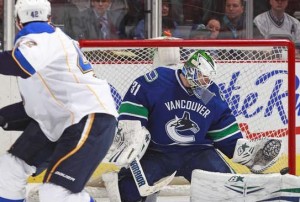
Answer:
(258, 155)
(210, 186)
(131, 141)
(111, 184)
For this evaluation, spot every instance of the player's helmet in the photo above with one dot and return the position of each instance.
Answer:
(32, 10)
(199, 69)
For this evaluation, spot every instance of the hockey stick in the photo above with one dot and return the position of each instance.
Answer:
(141, 182)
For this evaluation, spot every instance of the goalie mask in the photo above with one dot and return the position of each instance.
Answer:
(32, 10)
(199, 70)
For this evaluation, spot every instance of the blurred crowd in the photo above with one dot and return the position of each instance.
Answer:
(126, 19)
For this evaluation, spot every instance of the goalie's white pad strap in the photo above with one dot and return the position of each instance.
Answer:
(258, 155)
(212, 186)
(131, 141)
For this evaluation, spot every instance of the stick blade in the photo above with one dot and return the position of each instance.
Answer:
(148, 190)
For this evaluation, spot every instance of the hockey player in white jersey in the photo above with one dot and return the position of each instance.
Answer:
(72, 111)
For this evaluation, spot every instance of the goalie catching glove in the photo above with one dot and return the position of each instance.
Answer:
(131, 141)
(257, 155)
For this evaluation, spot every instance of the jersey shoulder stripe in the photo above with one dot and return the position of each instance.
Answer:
(35, 28)
(22, 62)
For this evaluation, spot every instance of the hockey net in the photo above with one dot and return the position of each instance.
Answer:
(256, 78)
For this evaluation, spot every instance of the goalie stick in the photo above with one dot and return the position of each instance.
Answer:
(141, 182)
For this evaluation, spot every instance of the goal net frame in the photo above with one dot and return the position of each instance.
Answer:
(289, 57)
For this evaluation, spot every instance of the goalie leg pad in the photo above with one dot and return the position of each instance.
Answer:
(243, 187)
(112, 187)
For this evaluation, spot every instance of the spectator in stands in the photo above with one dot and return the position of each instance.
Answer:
(233, 23)
(97, 21)
(214, 25)
(210, 31)
(276, 23)
(168, 24)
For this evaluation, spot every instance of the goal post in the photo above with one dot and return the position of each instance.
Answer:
(256, 78)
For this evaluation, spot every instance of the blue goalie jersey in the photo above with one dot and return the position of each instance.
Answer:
(175, 117)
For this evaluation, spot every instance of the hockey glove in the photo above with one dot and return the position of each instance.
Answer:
(258, 155)
(131, 141)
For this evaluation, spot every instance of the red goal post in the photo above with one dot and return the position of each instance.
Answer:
(256, 77)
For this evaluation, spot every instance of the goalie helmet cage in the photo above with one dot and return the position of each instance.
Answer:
(255, 77)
